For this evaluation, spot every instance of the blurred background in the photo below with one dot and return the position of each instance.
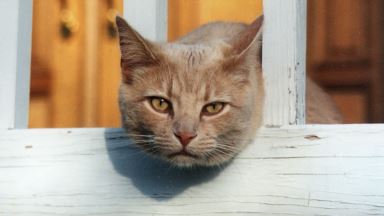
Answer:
(75, 57)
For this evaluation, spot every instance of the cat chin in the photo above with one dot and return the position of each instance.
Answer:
(184, 161)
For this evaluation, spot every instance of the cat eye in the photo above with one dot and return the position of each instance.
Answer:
(160, 104)
(213, 108)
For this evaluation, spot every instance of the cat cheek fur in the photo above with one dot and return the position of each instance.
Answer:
(148, 130)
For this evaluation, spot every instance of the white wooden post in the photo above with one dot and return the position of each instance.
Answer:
(148, 17)
(15, 57)
(284, 51)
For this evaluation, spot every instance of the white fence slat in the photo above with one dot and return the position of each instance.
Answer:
(284, 60)
(148, 17)
(15, 57)
(293, 170)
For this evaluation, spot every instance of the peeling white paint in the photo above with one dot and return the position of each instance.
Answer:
(284, 60)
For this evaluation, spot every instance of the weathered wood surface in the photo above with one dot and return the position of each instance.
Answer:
(300, 170)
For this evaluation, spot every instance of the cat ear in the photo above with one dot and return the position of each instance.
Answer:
(249, 41)
(135, 50)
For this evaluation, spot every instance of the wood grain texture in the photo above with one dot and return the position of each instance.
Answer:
(293, 170)
(44, 33)
(91, 70)
(68, 65)
(186, 15)
(345, 53)
(284, 61)
(109, 69)
(15, 62)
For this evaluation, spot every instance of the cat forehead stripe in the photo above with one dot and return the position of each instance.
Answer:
(193, 55)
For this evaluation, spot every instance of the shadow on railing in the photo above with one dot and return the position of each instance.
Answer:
(152, 177)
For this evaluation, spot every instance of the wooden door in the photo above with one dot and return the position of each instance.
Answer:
(75, 73)
(76, 63)
(42, 63)
(108, 114)
(185, 15)
(345, 52)
(56, 78)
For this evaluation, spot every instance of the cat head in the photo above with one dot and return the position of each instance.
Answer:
(191, 104)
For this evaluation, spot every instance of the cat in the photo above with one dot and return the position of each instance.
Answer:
(198, 101)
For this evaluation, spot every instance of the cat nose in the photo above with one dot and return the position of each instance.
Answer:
(185, 137)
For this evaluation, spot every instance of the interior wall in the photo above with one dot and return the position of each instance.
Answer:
(345, 55)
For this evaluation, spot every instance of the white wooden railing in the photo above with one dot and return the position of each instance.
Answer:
(290, 169)
(15, 55)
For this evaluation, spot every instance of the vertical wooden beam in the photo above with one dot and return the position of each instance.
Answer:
(91, 67)
(108, 114)
(284, 51)
(377, 56)
(69, 54)
(15, 58)
(148, 17)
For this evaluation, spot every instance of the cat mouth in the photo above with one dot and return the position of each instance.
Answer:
(182, 153)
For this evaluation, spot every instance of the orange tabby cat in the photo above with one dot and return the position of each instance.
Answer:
(198, 101)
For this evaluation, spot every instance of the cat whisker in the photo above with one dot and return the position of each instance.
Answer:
(208, 154)
(159, 145)
(228, 152)
(202, 142)
(161, 139)
(147, 142)
(223, 154)
(140, 135)
(228, 147)
(217, 157)
(141, 141)
(237, 140)
(137, 152)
